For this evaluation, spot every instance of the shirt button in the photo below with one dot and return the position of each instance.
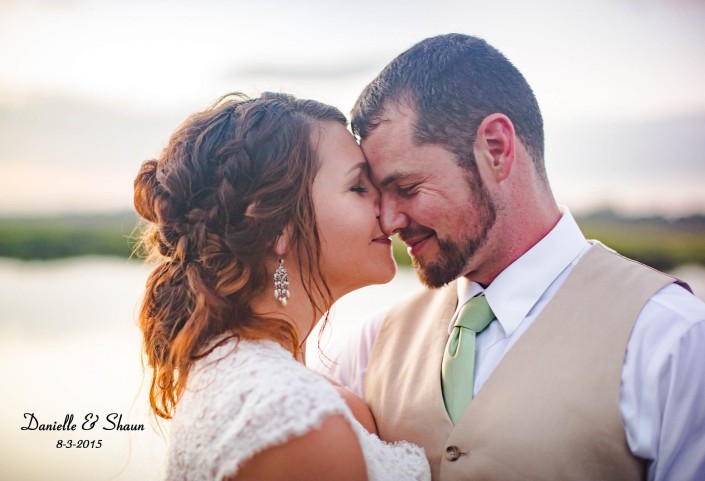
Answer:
(452, 453)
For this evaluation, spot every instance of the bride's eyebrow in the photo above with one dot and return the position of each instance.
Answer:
(361, 166)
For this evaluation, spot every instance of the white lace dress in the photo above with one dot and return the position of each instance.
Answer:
(247, 396)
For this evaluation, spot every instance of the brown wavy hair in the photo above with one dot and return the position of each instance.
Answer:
(227, 184)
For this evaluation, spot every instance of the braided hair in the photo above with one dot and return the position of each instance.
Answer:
(230, 179)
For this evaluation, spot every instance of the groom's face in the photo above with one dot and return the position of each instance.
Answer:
(440, 209)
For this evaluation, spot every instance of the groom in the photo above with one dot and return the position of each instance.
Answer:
(534, 354)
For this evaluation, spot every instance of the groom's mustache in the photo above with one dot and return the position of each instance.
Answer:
(411, 235)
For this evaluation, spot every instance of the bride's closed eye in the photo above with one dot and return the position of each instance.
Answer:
(362, 185)
(359, 189)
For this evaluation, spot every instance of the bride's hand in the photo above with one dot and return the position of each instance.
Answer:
(358, 407)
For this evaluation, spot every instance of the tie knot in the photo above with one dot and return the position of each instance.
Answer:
(475, 315)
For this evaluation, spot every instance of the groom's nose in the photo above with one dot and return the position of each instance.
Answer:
(391, 218)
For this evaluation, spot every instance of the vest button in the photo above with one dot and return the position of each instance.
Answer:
(452, 453)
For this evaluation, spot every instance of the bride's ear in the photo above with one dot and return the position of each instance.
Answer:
(282, 242)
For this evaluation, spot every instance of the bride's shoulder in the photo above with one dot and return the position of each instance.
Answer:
(240, 358)
(243, 398)
(258, 369)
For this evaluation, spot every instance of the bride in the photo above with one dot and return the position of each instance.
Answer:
(260, 216)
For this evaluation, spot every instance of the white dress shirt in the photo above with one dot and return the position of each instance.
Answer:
(663, 378)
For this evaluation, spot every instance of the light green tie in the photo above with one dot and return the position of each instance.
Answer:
(457, 371)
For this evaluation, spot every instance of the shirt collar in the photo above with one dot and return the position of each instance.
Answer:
(517, 289)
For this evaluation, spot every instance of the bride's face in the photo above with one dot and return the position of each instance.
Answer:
(355, 252)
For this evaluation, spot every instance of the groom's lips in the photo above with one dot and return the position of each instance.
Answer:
(416, 245)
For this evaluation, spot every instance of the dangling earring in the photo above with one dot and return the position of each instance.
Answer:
(281, 283)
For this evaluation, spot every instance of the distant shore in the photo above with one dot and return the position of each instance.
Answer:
(657, 241)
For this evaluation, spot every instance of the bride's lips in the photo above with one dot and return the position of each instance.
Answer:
(415, 245)
(383, 239)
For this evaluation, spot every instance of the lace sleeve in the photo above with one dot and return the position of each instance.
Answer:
(239, 405)
(292, 403)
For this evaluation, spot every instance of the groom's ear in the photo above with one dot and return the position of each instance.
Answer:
(495, 146)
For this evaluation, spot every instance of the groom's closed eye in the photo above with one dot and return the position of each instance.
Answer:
(407, 190)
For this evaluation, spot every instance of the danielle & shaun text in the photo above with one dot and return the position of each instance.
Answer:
(111, 422)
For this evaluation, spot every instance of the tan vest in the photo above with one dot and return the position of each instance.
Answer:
(549, 411)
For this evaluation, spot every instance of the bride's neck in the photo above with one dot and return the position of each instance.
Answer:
(298, 312)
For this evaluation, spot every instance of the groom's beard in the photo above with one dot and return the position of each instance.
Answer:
(454, 255)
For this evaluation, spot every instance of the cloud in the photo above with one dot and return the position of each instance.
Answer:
(59, 130)
(319, 70)
(60, 153)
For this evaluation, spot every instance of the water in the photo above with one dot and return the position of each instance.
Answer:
(69, 345)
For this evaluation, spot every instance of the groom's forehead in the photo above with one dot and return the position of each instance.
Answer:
(393, 130)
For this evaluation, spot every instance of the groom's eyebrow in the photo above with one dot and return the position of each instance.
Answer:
(393, 177)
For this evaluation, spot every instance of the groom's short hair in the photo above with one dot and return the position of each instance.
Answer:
(452, 82)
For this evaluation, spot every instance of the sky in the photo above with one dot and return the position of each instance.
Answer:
(89, 89)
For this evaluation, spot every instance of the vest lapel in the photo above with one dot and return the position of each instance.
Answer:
(394, 379)
(438, 346)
